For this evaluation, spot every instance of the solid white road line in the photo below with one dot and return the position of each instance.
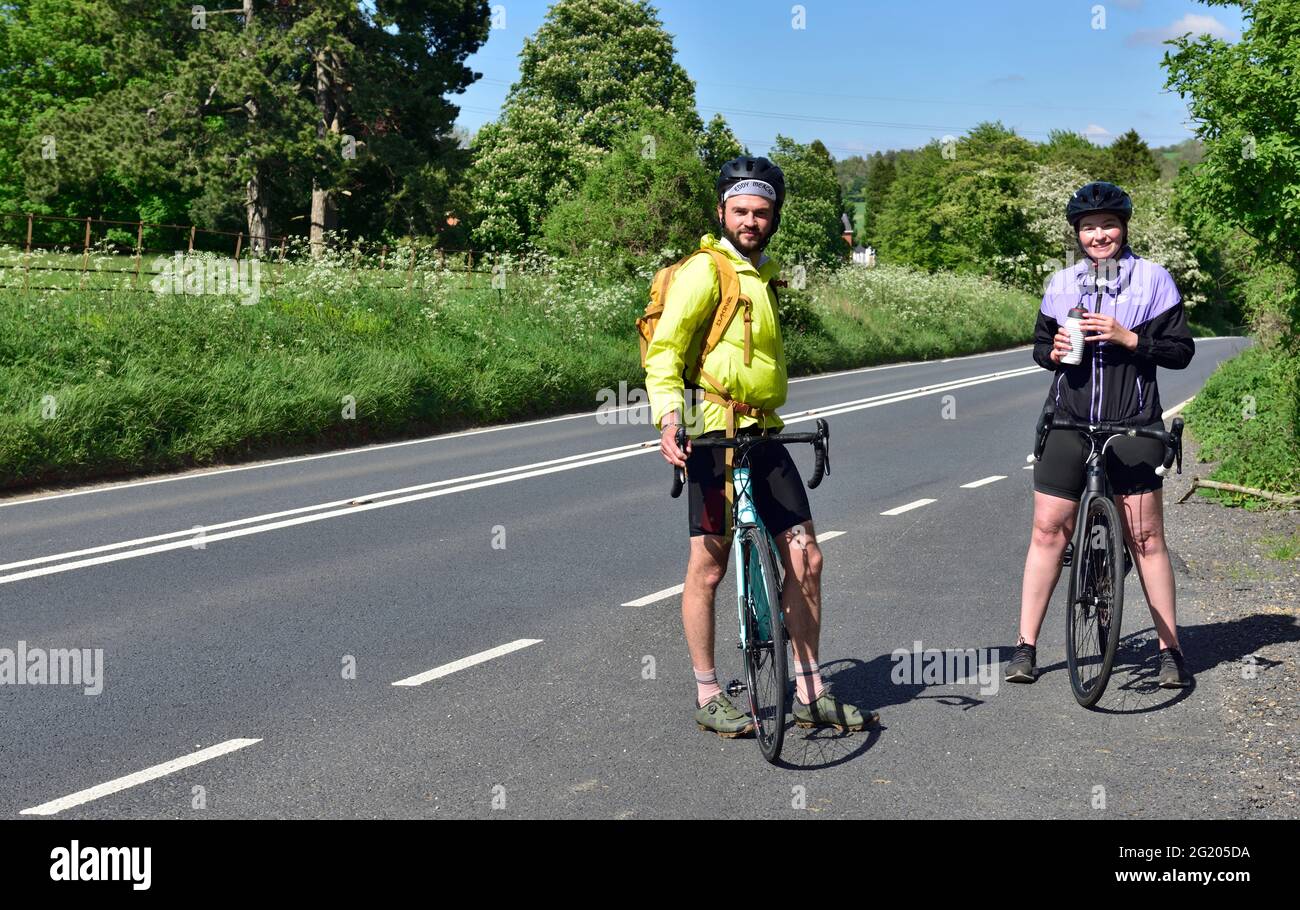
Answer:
(677, 589)
(472, 660)
(139, 777)
(1177, 409)
(899, 510)
(192, 535)
(987, 480)
(306, 519)
(188, 537)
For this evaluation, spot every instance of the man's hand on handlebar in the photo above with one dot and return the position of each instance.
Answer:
(668, 443)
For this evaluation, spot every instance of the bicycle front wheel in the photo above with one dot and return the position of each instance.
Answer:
(765, 642)
(1095, 607)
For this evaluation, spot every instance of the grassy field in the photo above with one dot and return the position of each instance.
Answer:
(97, 384)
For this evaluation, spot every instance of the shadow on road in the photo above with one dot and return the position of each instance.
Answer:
(1133, 687)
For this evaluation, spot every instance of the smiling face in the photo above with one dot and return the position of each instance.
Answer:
(1100, 235)
(747, 222)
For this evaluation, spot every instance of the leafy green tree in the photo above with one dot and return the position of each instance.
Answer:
(908, 226)
(1130, 162)
(881, 172)
(811, 229)
(646, 202)
(1069, 149)
(254, 114)
(853, 172)
(982, 225)
(718, 145)
(55, 56)
(588, 73)
(1245, 99)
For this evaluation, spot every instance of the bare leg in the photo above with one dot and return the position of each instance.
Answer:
(1053, 524)
(704, 571)
(801, 598)
(1144, 529)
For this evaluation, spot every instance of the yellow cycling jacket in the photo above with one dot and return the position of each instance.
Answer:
(691, 299)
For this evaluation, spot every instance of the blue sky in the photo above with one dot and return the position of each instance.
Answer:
(868, 75)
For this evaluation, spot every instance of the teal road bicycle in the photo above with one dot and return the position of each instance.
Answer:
(763, 641)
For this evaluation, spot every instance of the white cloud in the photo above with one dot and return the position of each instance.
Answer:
(1197, 25)
(1096, 134)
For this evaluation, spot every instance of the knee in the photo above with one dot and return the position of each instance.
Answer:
(706, 572)
(1147, 541)
(1050, 531)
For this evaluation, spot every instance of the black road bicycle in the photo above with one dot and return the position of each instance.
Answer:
(1097, 555)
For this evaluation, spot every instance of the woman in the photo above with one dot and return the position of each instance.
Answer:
(1135, 322)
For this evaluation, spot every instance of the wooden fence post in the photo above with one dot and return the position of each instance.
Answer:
(139, 248)
(85, 255)
(239, 244)
(410, 269)
(27, 253)
(190, 251)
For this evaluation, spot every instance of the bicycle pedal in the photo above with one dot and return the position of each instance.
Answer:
(735, 687)
(1067, 558)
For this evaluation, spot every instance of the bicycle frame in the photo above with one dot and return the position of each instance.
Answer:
(746, 516)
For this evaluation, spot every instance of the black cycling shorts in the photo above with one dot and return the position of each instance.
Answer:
(1130, 464)
(776, 486)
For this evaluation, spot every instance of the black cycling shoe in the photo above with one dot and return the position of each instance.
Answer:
(1173, 671)
(1021, 666)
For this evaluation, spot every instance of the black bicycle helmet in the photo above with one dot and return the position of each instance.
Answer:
(1098, 197)
(747, 168)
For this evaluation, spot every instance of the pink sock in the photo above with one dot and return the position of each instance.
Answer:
(706, 685)
(808, 682)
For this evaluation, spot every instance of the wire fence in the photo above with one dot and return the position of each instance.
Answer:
(99, 254)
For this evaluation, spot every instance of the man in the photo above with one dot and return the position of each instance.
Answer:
(751, 192)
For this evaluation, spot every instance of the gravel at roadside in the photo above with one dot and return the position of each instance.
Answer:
(1249, 636)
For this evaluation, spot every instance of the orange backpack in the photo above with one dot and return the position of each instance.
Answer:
(729, 300)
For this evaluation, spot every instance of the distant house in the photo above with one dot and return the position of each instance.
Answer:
(864, 255)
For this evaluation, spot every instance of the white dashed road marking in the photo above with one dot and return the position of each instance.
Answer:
(899, 510)
(464, 662)
(139, 777)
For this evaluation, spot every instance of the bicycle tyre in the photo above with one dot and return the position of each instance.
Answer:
(1095, 608)
(766, 667)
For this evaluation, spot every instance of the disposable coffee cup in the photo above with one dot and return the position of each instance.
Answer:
(1074, 326)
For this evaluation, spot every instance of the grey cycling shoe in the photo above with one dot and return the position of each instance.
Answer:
(1173, 670)
(718, 715)
(1021, 666)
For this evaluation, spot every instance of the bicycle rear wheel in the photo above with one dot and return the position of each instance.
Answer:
(765, 642)
(1095, 608)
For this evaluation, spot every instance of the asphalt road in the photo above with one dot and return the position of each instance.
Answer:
(233, 606)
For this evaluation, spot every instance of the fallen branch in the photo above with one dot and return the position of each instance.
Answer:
(1234, 488)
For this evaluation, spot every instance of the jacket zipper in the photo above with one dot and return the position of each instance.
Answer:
(1139, 393)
